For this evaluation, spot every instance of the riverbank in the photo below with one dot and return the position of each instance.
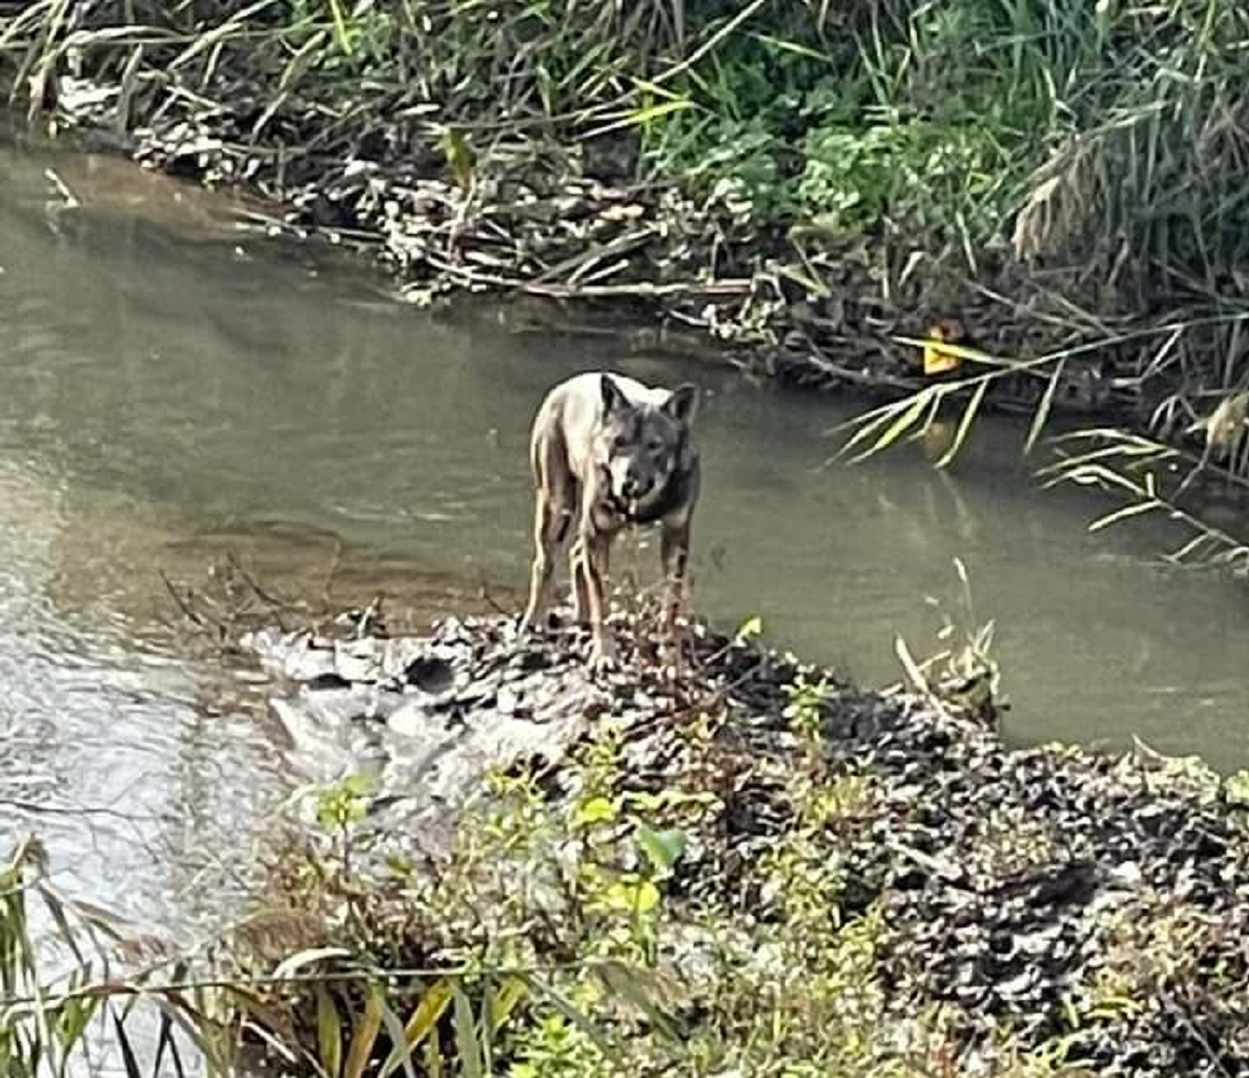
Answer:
(751, 867)
(725, 174)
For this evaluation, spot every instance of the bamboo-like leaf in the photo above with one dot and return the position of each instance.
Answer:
(329, 1031)
(467, 1043)
(964, 425)
(366, 1031)
(1139, 509)
(1088, 474)
(401, 1053)
(868, 424)
(901, 424)
(211, 38)
(965, 352)
(129, 1059)
(796, 47)
(1042, 414)
(431, 1008)
(640, 117)
(1190, 547)
(1106, 452)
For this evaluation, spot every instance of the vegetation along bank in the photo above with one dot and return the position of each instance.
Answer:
(749, 869)
(754, 869)
(1056, 187)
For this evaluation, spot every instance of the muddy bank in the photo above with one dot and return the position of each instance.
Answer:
(573, 229)
(588, 249)
(1090, 907)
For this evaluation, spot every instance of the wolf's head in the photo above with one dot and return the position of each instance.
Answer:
(640, 445)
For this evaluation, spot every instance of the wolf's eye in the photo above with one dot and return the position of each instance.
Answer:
(654, 446)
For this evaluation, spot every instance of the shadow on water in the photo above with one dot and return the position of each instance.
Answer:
(171, 387)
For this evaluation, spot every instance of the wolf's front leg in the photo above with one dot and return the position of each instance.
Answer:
(674, 550)
(592, 568)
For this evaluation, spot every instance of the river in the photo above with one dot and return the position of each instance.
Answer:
(172, 386)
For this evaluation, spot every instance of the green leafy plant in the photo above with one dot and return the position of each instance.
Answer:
(337, 808)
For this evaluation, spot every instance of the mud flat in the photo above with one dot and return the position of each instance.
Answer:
(1089, 910)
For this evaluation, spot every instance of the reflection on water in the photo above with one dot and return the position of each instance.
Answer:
(168, 388)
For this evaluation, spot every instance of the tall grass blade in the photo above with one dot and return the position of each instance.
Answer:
(1125, 513)
(329, 1032)
(898, 427)
(364, 1037)
(1042, 414)
(129, 1059)
(432, 1007)
(467, 1043)
(964, 425)
(341, 34)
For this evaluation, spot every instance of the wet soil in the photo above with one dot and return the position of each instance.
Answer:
(1055, 894)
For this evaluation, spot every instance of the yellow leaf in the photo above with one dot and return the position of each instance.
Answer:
(752, 626)
(424, 1018)
(596, 810)
(938, 360)
(459, 157)
(647, 897)
(505, 1001)
(365, 1036)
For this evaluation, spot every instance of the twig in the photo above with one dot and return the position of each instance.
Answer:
(578, 261)
(327, 587)
(250, 581)
(1178, 1008)
(182, 603)
(643, 289)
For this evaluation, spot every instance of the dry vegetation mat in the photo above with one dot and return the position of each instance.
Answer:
(745, 868)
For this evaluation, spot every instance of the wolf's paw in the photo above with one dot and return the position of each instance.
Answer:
(604, 656)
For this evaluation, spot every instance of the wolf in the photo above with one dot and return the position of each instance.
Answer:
(608, 452)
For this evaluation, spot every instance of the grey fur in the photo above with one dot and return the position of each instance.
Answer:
(607, 452)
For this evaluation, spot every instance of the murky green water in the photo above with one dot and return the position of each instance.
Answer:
(168, 387)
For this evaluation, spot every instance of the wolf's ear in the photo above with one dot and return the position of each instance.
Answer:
(682, 405)
(613, 399)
